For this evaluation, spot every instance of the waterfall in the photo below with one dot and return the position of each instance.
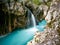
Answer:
(33, 20)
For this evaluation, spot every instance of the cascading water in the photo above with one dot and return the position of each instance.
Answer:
(31, 18)
(40, 25)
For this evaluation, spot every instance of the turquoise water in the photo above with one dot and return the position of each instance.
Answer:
(41, 25)
(21, 36)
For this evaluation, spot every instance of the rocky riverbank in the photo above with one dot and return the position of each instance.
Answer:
(51, 33)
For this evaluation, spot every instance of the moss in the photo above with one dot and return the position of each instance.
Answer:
(48, 4)
(36, 2)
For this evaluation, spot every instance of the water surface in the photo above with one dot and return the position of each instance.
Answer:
(21, 36)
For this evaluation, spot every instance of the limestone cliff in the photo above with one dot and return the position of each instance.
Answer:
(51, 33)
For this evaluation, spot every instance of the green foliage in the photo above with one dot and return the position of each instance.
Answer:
(36, 1)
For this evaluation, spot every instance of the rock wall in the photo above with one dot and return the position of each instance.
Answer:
(51, 33)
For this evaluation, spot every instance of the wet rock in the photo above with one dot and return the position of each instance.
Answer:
(51, 33)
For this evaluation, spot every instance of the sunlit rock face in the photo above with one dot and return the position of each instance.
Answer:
(44, 8)
(48, 37)
(51, 33)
